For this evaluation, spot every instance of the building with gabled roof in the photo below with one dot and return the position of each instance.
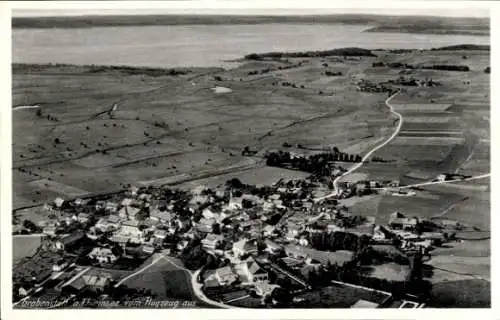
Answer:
(243, 247)
(212, 241)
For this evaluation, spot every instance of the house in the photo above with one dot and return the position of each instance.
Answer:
(58, 202)
(126, 202)
(331, 227)
(59, 265)
(378, 234)
(131, 228)
(103, 255)
(147, 248)
(97, 282)
(243, 247)
(49, 230)
(160, 234)
(209, 214)
(107, 224)
(79, 202)
(254, 272)
(251, 224)
(225, 275)
(69, 241)
(158, 215)
(400, 222)
(128, 212)
(111, 207)
(182, 244)
(441, 177)
(120, 239)
(292, 233)
(205, 225)
(212, 241)
(83, 217)
(268, 230)
(271, 246)
(264, 288)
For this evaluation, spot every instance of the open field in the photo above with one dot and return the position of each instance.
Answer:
(256, 176)
(340, 296)
(419, 206)
(461, 294)
(165, 282)
(74, 141)
(25, 246)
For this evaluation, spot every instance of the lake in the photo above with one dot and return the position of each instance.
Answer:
(204, 45)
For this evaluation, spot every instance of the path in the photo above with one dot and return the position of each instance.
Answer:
(369, 154)
(25, 107)
(155, 261)
(481, 176)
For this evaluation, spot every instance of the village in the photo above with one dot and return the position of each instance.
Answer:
(249, 246)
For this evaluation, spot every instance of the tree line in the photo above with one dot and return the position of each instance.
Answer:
(309, 54)
(316, 164)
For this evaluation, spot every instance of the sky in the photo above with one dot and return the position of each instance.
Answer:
(435, 8)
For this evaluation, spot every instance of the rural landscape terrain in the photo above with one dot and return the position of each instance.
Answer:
(340, 178)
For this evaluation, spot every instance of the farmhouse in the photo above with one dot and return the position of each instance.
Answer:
(400, 222)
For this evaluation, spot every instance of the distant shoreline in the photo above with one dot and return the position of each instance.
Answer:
(374, 23)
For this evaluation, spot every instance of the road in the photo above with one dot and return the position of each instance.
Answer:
(481, 176)
(155, 261)
(370, 153)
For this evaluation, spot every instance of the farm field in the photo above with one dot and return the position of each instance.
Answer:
(257, 176)
(340, 296)
(74, 144)
(25, 246)
(461, 294)
(166, 282)
(419, 206)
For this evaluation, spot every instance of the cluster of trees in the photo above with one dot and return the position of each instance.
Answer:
(33, 228)
(460, 47)
(347, 52)
(487, 70)
(400, 65)
(195, 257)
(332, 73)
(316, 164)
(153, 72)
(369, 256)
(462, 68)
(338, 240)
